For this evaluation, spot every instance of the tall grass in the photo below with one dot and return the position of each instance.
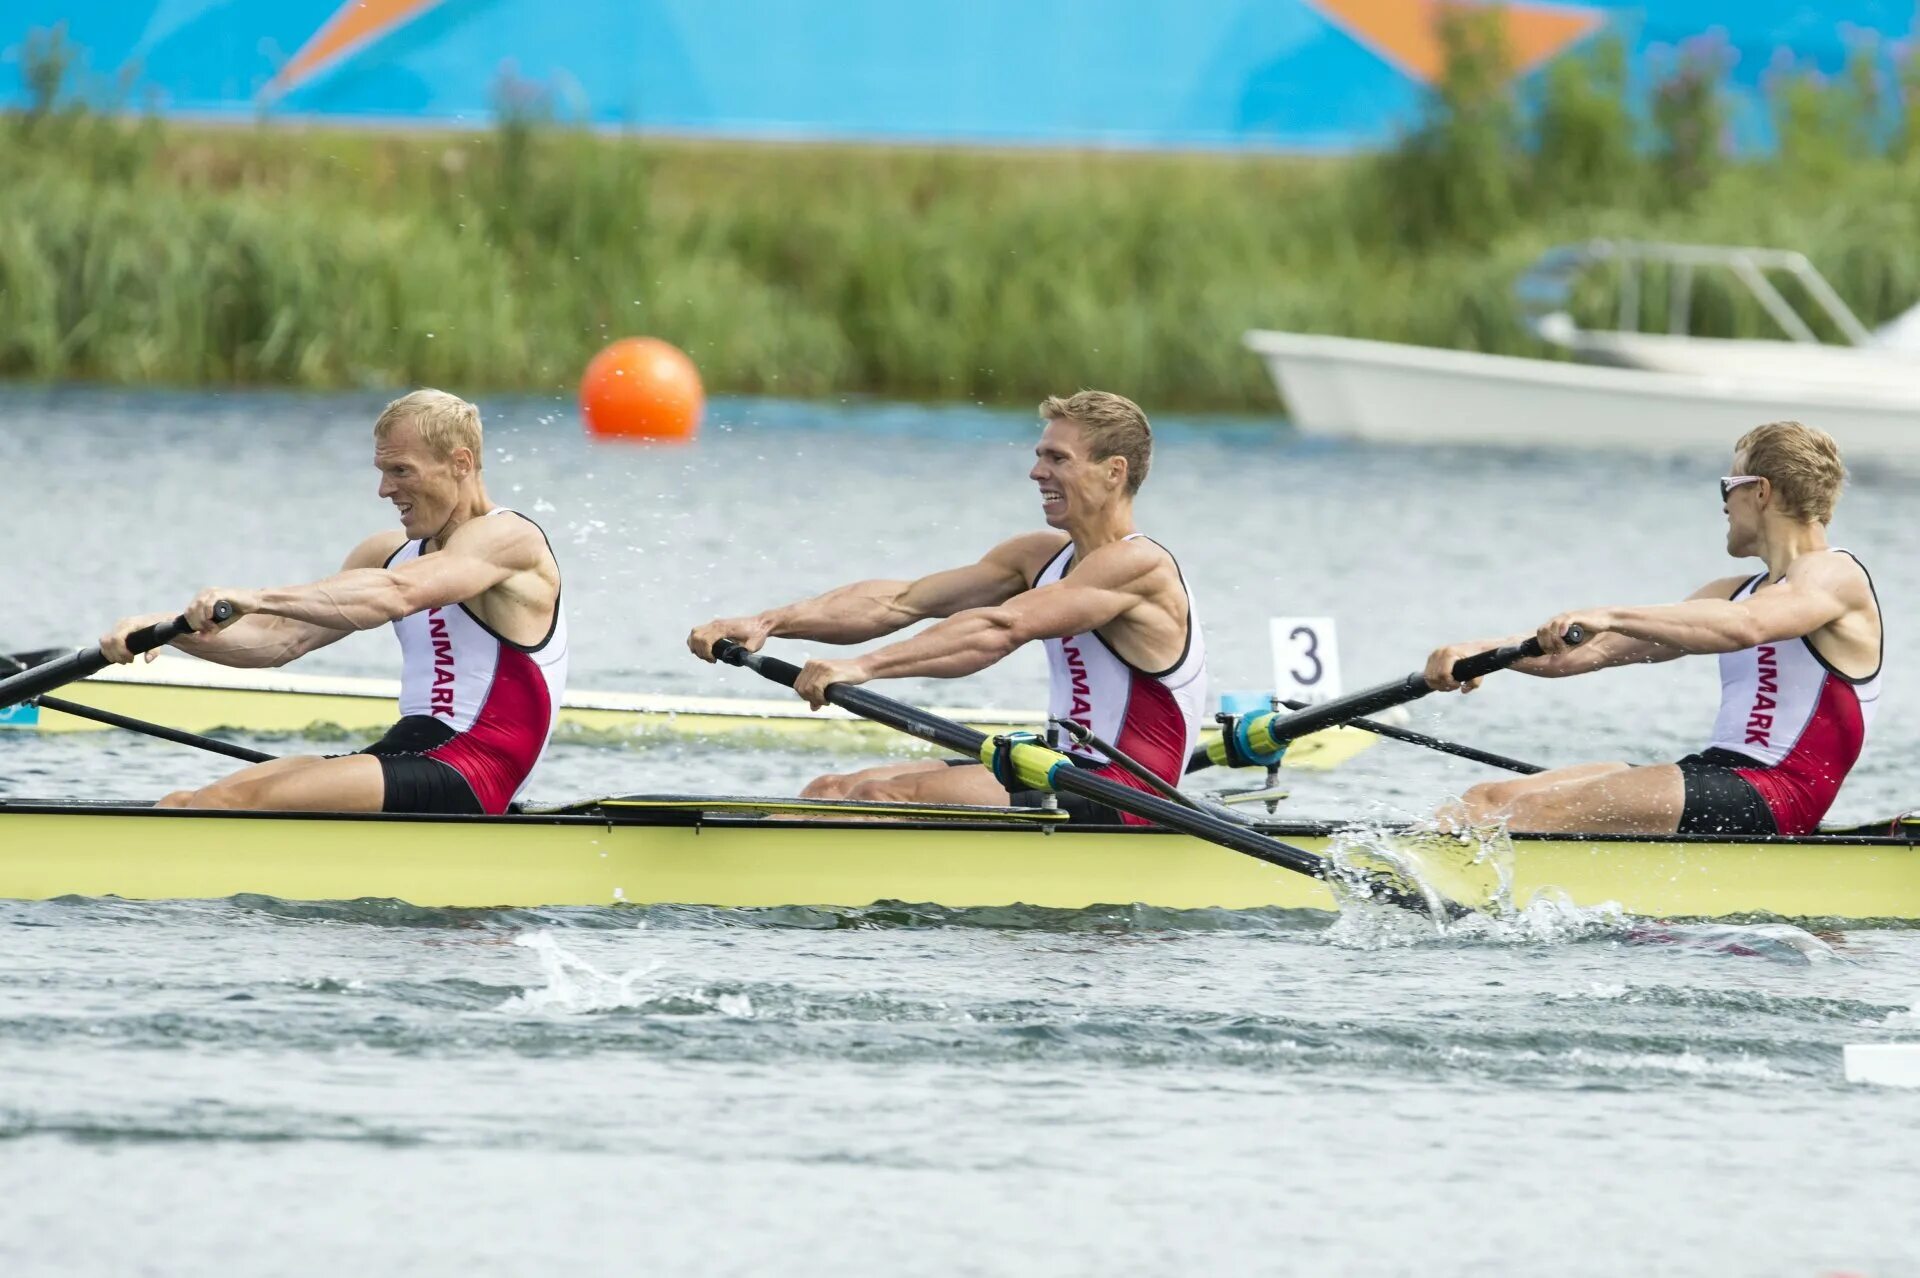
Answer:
(136, 252)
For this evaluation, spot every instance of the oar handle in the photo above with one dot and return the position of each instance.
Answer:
(45, 678)
(1482, 664)
(759, 662)
(868, 704)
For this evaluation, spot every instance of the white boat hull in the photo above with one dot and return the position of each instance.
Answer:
(1387, 392)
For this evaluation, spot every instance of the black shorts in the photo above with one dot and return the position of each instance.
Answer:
(1082, 810)
(416, 782)
(1718, 799)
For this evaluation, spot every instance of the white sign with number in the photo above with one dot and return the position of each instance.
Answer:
(1306, 658)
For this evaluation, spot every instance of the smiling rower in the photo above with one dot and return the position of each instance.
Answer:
(1800, 647)
(1125, 656)
(473, 592)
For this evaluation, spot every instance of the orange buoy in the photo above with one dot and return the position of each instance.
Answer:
(642, 388)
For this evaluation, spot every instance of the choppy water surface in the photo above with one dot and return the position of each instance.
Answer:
(259, 1086)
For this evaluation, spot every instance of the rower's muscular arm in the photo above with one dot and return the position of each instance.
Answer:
(1603, 649)
(1817, 591)
(869, 609)
(480, 555)
(256, 641)
(1110, 583)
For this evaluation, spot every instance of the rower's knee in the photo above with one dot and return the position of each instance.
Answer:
(827, 787)
(1482, 804)
(219, 795)
(876, 790)
(1489, 796)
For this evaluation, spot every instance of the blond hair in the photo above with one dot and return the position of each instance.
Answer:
(1801, 462)
(1114, 425)
(444, 422)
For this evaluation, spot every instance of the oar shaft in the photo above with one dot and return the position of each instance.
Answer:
(63, 670)
(1397, 692)
(1203, 755)
(1124, 798)
(174, 735)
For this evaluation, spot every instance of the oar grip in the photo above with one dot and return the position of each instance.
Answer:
(162, 633)
(1482, 664)
(759, 662)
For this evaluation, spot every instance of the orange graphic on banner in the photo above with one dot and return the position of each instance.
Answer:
(354, 24)
(1406, 32)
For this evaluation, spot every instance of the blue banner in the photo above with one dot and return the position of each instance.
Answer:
(1288, 74)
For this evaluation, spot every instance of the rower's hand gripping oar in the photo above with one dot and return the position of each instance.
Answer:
(1258, 740)
(1034, 766)
(64, 670)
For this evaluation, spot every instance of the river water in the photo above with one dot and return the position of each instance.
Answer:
(267, 1087)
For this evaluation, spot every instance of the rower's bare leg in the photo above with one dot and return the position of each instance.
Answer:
(1493, 800)
(1646, 800)
(839, 785)
(1612, 799)
(934, 783)
(273, 767)
(351, 783)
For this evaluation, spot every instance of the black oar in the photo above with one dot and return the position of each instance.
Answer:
(1044, 769)
(1223, 753)
(31, 683)
(130, 724)
(142, 726)
(1397, 692)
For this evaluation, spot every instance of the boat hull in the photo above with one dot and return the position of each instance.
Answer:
(673, 853)
(1387, 392)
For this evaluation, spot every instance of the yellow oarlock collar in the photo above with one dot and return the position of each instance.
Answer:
(1248, 743)
(1019, 761)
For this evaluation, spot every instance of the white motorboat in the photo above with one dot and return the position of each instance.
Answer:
(1655, 392)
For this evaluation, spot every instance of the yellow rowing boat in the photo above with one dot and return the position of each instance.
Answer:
(718, 851)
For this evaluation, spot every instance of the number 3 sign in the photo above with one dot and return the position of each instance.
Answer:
(1306, 658)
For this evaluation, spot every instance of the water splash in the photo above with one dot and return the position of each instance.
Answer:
(1475, 868)
(1471, 867)
(1909, 1019)
(575, 986)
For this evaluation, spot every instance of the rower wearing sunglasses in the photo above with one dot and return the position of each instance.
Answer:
(1800, 648)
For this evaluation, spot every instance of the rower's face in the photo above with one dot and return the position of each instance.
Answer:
(1743, 507)
(1071, 483)
(423, 487)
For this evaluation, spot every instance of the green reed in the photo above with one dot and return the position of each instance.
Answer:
(142, 253)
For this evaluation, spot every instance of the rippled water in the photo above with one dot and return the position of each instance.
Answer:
(259, 1086)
